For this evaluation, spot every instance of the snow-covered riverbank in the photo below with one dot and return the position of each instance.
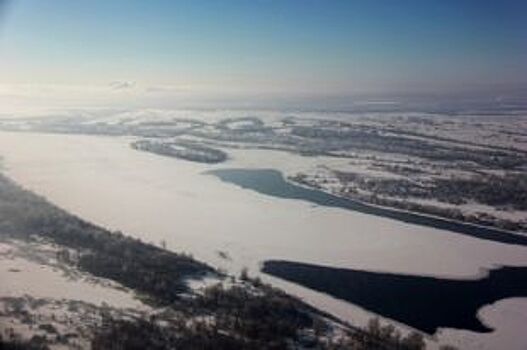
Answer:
(159, 199)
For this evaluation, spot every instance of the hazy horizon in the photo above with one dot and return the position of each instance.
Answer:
(314, 54)
(263, 174)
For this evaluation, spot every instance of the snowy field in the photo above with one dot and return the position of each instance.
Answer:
(43, 297)
(159, 199)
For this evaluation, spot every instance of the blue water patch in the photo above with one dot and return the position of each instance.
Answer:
(424, 303)
(271, 182)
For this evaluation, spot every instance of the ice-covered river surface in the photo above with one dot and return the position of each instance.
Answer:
(103, 180)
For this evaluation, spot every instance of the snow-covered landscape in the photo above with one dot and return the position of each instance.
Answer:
(263, 175)
(175, 202)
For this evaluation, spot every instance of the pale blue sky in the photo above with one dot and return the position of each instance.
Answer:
(268, 46)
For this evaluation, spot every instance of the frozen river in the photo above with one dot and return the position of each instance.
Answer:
(159, 199)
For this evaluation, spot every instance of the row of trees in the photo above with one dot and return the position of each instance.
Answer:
(135, 264)
(183, 150)
(236, 318)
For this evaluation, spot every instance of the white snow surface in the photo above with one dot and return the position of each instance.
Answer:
(157, 198)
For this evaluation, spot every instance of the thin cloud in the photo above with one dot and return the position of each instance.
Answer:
(122, 85)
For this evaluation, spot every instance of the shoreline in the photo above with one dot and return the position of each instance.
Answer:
(396, 209)
(323, 198)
